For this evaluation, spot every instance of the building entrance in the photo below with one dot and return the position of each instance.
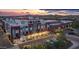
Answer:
(15, 32)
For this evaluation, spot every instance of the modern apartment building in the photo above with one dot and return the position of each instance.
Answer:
(18, 27)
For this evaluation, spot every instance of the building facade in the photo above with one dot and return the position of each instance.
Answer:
(25, 26)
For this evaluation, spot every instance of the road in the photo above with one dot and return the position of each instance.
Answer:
(75, 40)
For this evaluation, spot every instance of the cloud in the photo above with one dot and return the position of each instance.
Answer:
(15, 12)
(60, 12)
(64, 12)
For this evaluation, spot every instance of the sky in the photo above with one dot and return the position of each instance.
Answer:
(12, 12)
(63, 11)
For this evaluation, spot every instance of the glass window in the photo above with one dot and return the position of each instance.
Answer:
(26, 29)
(22, 22)
(30, 21)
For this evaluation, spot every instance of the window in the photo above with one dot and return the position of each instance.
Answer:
(22, 22)
(30, 21)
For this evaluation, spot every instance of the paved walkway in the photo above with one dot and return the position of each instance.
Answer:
(4, 40)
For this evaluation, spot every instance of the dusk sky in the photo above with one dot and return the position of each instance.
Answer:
(64, 11)
(5, 12)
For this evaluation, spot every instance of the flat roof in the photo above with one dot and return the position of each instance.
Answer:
(16, 22)
(50, 20)
(66, 21)
(55, 24)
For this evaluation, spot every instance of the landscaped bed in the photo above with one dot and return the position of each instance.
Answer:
(59, 44)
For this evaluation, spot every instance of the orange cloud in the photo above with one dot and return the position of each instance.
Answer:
(24, 11)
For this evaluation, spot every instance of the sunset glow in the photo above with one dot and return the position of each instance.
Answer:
(24, 12)
(14, 12)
